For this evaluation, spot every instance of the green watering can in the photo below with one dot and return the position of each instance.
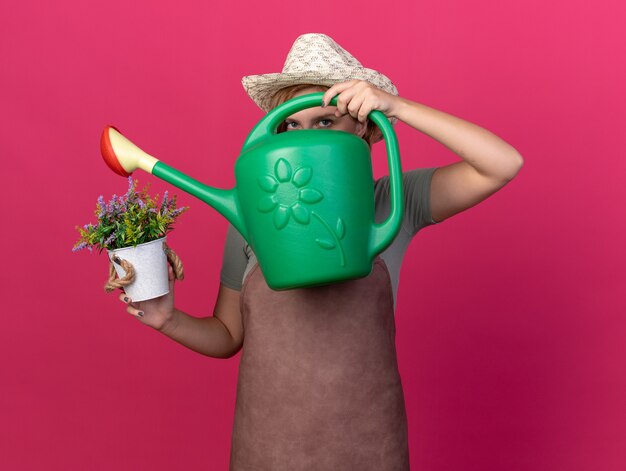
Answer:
(303, 200)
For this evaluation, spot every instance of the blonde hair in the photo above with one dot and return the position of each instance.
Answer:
(371, 133)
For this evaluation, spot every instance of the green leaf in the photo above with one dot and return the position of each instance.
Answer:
(325, 243)
(341, 229)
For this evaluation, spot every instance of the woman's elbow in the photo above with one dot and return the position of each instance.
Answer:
(228, 351)
(515, 162)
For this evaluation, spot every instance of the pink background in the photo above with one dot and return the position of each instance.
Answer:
(510, 316)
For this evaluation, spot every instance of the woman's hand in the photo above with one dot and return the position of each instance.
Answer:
(358, 98)
(155, 312)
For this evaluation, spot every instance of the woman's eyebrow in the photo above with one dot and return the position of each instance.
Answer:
(324, 116)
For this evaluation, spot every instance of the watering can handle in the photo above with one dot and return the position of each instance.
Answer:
(383, 233)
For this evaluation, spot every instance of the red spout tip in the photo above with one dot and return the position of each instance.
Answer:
(106, 149)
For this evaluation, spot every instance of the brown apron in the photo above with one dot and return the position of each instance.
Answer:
(319, 387)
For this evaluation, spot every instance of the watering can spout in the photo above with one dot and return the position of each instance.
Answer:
(124, 157)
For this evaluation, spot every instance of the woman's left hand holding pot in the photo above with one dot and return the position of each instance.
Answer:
(156, 312)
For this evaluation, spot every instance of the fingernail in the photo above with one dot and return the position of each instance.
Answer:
(140, 313)
(323, 104)
(126, 299)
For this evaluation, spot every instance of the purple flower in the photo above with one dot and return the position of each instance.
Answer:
(102, 205)
(81, 246)
(113, 204)
(130, 186)
(109, 239)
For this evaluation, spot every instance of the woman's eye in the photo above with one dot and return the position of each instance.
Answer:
(291, 124)
(326, 122)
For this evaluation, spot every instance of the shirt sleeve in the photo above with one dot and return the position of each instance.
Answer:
(417, 209)
(234, 260)
(416, 189)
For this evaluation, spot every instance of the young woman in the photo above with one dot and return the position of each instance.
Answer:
(318, 381)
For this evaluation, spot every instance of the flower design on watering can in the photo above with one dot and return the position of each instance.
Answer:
(287, 194)
(287, 197)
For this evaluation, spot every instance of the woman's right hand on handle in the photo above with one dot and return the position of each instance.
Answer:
(157, 312)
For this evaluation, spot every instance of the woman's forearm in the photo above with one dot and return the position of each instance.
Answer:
(483, 150)
(206, 335)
